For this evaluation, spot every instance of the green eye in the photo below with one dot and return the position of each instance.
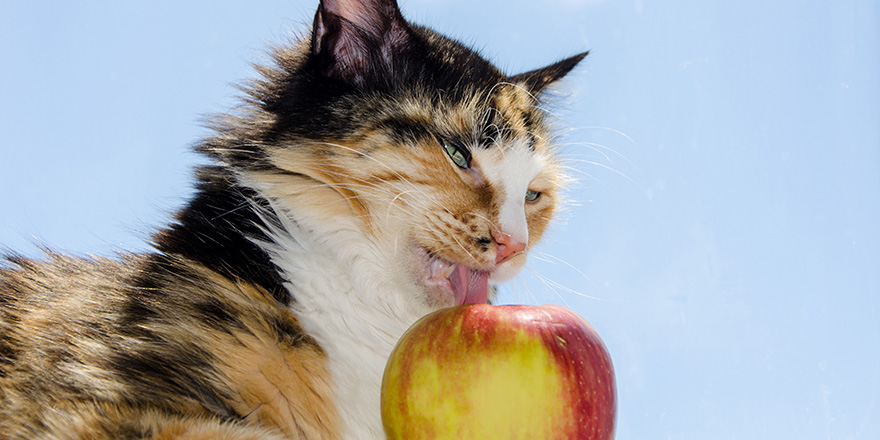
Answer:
(459, 155)
(532, 196)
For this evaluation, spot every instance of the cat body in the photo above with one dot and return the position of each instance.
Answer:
(379, 172)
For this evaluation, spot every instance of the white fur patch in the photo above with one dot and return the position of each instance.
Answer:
(511, 168)
(353, 295)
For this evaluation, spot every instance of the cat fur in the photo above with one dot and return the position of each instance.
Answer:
(272, 301)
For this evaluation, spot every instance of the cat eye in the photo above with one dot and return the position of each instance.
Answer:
(459, 155)
(532, 196)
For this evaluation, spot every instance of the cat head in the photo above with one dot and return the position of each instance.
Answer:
(430, 149)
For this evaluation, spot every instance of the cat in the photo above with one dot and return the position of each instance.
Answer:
(377, 172)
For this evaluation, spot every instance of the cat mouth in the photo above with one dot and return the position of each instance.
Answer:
(458, 282)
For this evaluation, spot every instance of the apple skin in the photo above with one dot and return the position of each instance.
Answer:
(499, 372)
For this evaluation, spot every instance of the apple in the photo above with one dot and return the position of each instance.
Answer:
(499, 372)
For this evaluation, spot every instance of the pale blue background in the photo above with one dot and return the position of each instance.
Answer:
(723, 236)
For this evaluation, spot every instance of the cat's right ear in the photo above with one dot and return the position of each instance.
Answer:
(353, 38)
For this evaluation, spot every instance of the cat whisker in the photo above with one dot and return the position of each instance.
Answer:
(411, 186)
(609, 168)
(359, 183)
(525, 288)
(542, 256)
(517, 86)
(359, 153)
(599, 127)
(380, 189)
(555, 286)
(552, 287)
(397, 197)
(463, 248)
(602, 149)
(348, 186)
(362, 154)
(490, 92)
(573, 172)
(598, 148)
(528, 92)
(231, 211)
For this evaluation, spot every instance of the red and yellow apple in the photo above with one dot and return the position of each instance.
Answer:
(499, 372)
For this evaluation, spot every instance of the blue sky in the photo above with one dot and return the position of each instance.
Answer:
(722, 235)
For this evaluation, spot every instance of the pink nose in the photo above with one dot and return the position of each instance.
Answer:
(507, 247)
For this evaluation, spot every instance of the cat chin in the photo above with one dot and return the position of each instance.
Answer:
(448, 283)
(508, 270)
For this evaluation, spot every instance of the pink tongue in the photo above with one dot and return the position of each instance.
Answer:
(469, 286)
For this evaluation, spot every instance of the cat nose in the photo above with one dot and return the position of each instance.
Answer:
(508, 247)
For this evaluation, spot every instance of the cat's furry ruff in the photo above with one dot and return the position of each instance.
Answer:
(336, 214)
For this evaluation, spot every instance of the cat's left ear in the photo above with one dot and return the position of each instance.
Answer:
(352, 39)
(537, 80)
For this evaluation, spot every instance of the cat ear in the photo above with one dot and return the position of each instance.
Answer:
(350, 37)
(537, 80)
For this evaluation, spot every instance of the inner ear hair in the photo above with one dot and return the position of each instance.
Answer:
(352, 38)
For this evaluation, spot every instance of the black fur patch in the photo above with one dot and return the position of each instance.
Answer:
(405, 130)
(154, 375)
(307, 104)
(8, 355)
(291, 335)
(217, 229)
(218, 315)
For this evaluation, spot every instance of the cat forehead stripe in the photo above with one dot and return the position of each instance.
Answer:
(509, 112)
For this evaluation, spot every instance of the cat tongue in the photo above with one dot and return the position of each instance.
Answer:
(469, 286)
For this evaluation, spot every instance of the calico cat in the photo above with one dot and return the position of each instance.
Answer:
(378, 172)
